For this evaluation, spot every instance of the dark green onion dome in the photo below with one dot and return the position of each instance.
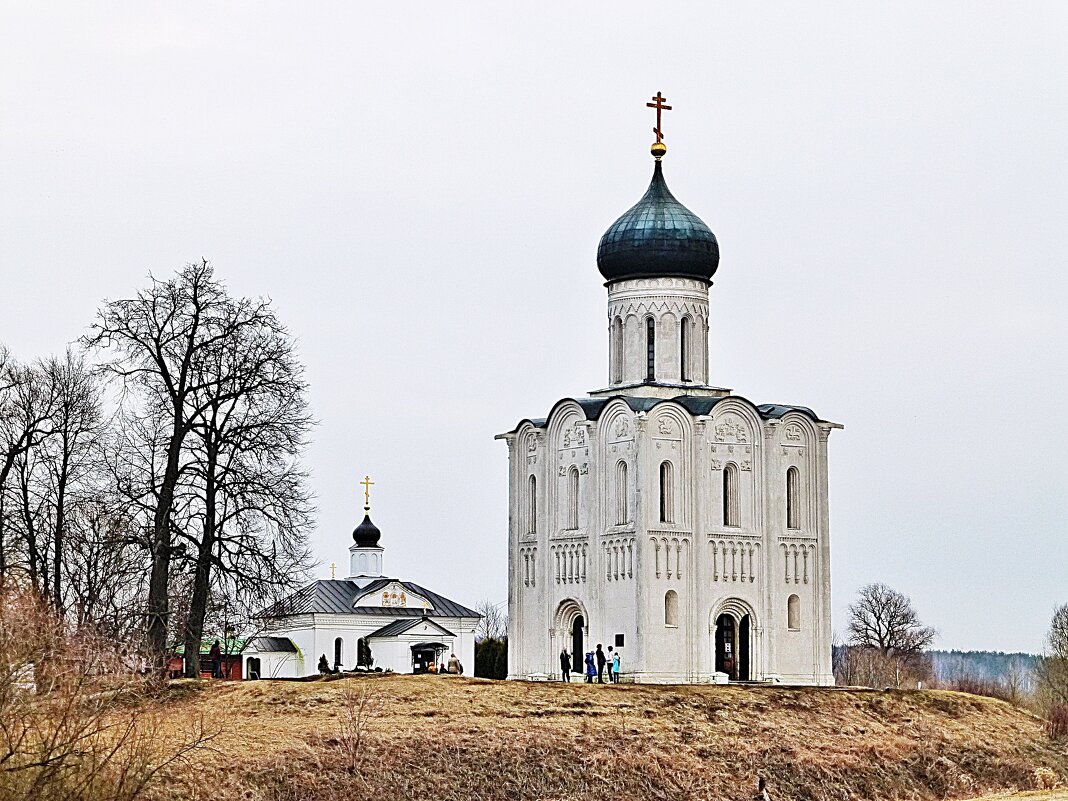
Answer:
(366, 535)
(658, 236)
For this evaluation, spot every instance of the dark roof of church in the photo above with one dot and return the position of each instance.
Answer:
(694, 404)
(337, 596)
(269, 644)
(401, 626)
(658, 236)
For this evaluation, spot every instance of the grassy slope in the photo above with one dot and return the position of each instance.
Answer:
(454, 738)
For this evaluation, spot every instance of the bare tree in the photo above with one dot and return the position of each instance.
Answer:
(884, 618)
(1052, 669)
(157, 340)
(26, 408)
(67, 453)
(494, 622)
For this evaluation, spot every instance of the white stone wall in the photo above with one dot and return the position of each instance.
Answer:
(615, 569)
(314, 635)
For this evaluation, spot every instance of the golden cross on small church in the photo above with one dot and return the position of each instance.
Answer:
(367, 484)
(333, 569)
(658, 104)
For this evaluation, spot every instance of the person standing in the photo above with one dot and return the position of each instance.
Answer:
(615, 668)
(454, 665)
(591, 670)
(565, 666)
(610, 666)
(600, 664)
(215, 655)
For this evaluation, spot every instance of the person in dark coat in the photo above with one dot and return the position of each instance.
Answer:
(215, 655)
(565, 666)
(601, 659)
(591, 669)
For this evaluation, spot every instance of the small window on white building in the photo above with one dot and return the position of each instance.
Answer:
(671, 608)
(339, 646)
(573, 498)
(667, 493)
(730, 495)
(793, 498)
(793, 613)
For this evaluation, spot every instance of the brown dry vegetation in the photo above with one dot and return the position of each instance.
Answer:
(401, 737)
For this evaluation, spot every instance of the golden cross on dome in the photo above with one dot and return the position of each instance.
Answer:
(658, 104)
(367, 484)
(333, 568)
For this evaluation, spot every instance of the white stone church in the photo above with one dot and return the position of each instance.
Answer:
(679, 523)
(367, 620)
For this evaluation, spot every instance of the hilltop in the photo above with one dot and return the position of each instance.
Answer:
(401, 737)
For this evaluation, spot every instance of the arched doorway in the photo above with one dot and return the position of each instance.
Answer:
(570, 632)
(577, 651)
(732, 646)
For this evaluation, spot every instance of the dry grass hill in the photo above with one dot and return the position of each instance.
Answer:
(429, 737)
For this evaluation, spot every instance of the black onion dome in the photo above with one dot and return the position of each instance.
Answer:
(366, 535)
(658, 236)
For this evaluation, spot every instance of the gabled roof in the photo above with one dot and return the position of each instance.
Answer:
(401, 626)
(694, 404)
(337, 596)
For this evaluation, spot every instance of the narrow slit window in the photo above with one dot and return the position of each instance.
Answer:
(617, 351)
(730, 495)
(667, 494)
(650, 350)
(572, 498)
(621, 494)
(793, 498)
(532, 508)
(684, 349)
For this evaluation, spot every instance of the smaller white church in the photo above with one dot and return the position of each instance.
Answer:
(367, 621)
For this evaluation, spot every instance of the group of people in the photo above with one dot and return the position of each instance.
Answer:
(595, 664)
(454, 667)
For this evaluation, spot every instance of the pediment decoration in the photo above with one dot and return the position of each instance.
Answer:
(574, 436)
(394, 595)
(731, 429)
(621, 429)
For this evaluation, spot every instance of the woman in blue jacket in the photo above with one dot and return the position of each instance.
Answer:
(591, 669)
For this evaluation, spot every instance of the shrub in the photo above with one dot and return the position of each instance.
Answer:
(78, 721)
(1057, 721)
(491, 658)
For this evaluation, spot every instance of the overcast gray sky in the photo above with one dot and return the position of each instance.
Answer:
(420, 187)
